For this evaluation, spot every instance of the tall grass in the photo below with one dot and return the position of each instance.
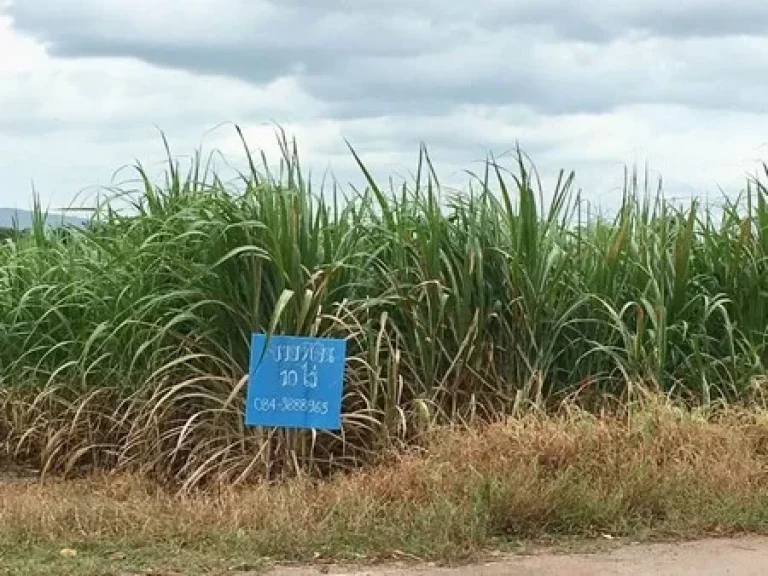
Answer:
(125, 343)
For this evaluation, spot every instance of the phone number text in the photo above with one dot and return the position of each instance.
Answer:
(285, 404)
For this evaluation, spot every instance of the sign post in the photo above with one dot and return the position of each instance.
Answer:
(296, 382)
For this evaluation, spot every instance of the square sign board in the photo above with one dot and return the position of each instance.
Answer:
(296, 383)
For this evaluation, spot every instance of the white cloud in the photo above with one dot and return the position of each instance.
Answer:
(590, 86)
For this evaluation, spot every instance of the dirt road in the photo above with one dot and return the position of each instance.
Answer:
(739, 557)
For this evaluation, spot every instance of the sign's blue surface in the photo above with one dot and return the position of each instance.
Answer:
(296, 383)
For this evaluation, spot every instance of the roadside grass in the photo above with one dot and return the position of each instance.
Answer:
(658, 471)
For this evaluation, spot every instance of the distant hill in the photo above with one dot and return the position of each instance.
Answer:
(25, 218)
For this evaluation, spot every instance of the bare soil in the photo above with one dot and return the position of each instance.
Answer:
(745, 556)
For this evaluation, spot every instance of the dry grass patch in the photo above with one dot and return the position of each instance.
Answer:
(659, 472)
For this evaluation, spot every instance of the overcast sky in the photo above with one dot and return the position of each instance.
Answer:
(589, 85)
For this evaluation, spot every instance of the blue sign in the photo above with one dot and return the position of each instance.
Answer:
(296, 382)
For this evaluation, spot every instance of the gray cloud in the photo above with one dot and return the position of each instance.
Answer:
(587, 84)
(255, 41)
(605, 20)
(550, 79)
(376, 58)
